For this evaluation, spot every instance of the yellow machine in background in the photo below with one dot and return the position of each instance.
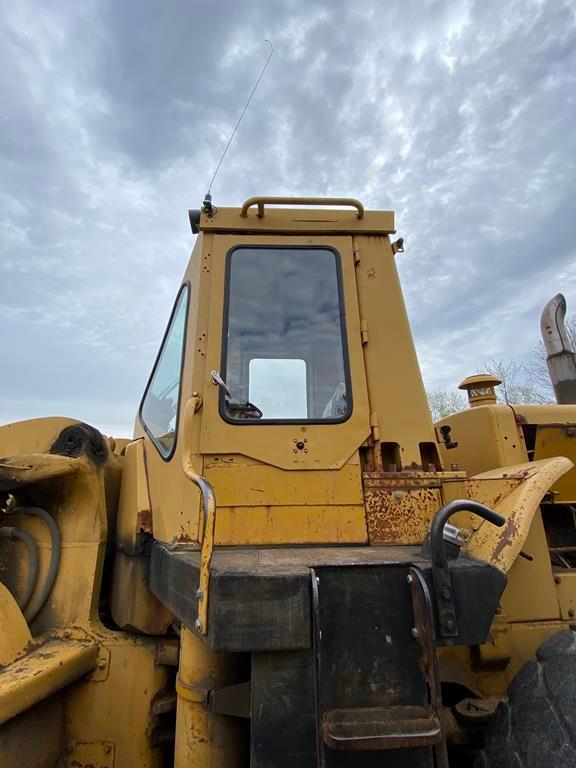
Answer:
(289, 563)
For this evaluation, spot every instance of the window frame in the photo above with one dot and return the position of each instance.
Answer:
(343, 333)
(185, 287)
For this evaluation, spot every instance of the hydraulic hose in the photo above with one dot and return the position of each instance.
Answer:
(31, 612)
(10, 532)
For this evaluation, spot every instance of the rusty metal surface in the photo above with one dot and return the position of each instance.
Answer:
(476, 711)
(95, 754)
(373, 728)
(424, 634)
(308, 557)
(400, 505)
(396, 514)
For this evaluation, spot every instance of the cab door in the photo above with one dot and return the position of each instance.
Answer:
(281, 431)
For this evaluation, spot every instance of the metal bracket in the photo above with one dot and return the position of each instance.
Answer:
(443, 596)
(233, 700)
(193, 693)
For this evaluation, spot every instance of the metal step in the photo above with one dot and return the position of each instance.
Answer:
(376, 674)
(378, 728)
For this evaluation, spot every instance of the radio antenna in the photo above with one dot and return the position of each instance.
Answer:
(207, 204)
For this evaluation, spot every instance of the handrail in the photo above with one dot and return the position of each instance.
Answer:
(262, 201)
(209, 505)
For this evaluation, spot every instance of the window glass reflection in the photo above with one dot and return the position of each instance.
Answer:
(160, 406)
(284, 342)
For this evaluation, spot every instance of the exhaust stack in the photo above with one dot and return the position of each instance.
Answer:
(560, 356)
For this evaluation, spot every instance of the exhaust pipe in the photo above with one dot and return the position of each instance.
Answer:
(560, 356)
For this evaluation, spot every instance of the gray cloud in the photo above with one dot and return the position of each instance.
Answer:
(458, 115)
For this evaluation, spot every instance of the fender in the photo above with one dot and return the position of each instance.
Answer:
(516, 493)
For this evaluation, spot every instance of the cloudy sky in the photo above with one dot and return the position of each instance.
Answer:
(460, 116)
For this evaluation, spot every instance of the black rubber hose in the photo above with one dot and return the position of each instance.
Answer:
(31, 612)
(10, 532)
(441, 518)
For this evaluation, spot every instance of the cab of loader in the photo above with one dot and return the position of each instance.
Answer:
(291, 333)
(285, 565)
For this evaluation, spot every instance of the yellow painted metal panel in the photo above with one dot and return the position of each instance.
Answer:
(396, 390)
(501, 546)
(565, 582)
(134, 506)
(42, 672)
(488, 436)
(291, 525)
(547, 414)
(302, 221)
(14, 632)
(112, 711)
(559, 440)
(530, 593)
(261, 485)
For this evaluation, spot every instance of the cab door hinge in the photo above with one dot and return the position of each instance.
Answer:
(375, 427)
(364, 331)
(356, 256)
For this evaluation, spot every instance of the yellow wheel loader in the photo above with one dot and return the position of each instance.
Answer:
(289, 564)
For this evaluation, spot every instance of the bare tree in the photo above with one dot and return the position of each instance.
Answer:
(517, 386)
(524, 384)
(444, 402)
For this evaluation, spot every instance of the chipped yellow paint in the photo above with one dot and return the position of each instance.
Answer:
(501, 547)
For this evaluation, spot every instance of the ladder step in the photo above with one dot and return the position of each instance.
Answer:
(381, 728)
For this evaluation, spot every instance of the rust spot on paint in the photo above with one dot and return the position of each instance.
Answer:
(400, 505)
(144, 521)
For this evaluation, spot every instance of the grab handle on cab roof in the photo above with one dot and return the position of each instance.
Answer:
(262, 201)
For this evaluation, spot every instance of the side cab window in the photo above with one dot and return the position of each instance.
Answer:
(161, 401)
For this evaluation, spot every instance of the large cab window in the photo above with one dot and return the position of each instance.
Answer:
(159, 409)
(284, 351)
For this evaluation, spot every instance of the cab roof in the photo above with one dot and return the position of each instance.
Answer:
(323, 216)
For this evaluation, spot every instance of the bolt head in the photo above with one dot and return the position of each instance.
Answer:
(409, 578)
(198, 624)
(415, 632)
(450, 624)
(199, 593)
